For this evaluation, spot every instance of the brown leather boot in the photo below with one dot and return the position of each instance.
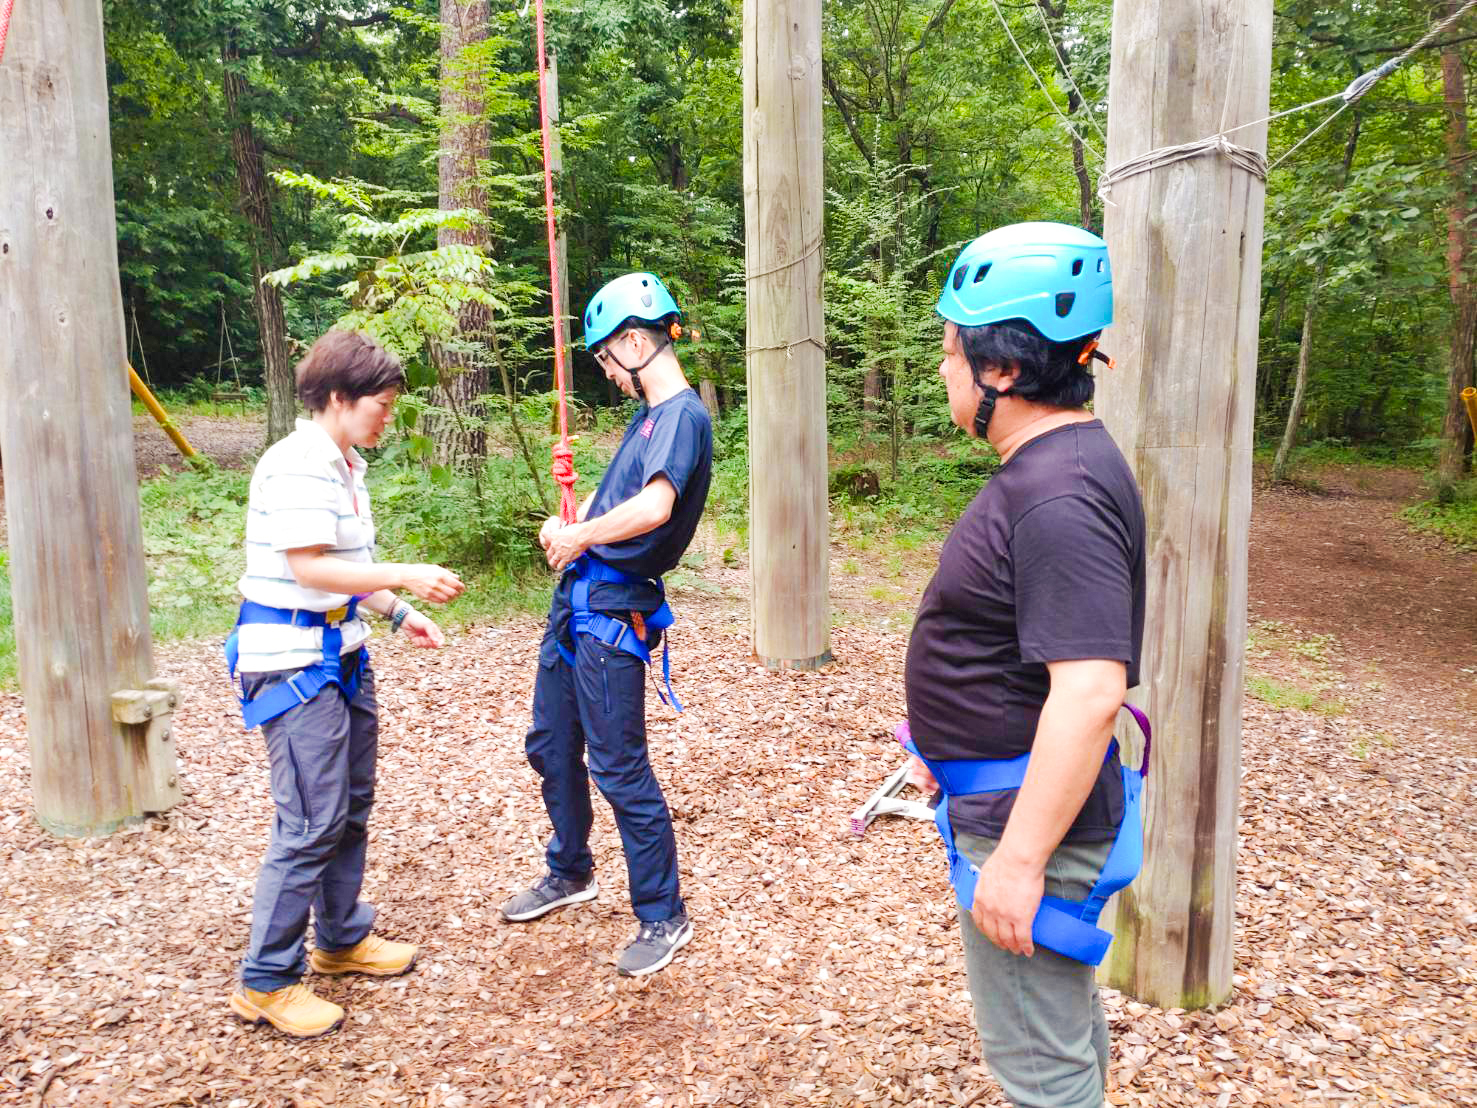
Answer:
(293, 1010)
(371, 955)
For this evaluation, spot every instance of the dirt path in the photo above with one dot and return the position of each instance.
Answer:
(1340, 562)
(826, 970)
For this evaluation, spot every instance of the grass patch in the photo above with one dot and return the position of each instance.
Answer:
(1342, 452)
(1283, 696)
(7, 625)
(1451, 514)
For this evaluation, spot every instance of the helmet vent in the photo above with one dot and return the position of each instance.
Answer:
(1077, 267)
(959, 277)
(982, 272)
(1099, 265)
(1064, 303)
(600, 307)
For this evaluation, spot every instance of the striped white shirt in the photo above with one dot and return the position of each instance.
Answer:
(303, 493)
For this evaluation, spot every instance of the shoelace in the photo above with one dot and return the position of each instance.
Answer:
(297, 992)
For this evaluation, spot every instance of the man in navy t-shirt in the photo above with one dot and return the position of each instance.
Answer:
(1026, 640)
(590, 695)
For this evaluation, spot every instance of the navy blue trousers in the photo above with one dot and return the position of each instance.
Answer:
(322, 755)
(597, 709)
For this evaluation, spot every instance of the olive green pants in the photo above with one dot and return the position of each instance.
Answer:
(1039, 1019)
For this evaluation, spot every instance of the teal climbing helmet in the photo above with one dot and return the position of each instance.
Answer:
(1054, 276)
(641, 296)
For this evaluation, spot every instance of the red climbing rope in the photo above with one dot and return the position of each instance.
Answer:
(5, 23)
(563, 467)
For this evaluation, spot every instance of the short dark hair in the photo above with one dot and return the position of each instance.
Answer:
(1049, 371)
(346, 362)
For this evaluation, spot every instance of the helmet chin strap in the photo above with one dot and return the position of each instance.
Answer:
(635, 370)
(985, 410)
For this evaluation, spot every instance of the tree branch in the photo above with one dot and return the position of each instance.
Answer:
(315, 40)
(839, 98)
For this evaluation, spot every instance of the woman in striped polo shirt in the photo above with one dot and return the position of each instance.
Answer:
(298, 646)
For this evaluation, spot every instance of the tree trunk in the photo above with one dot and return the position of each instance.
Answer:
(789, 532)
(256, 206)
(1305, 343)
(1456, 433)
(1180, 408)
(76, 552)
(709, 393)
(461, 364)
(1300, 388)
(871, 395)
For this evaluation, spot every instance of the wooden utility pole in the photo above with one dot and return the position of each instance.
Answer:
(100, 757)
(789, 532)
(1186, 247)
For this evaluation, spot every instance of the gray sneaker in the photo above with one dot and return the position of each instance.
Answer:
(654, 946)
(546, 894)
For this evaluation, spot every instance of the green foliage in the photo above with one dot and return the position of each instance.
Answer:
(1451, 513)
(7, 625)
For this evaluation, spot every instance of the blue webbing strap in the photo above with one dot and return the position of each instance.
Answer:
(308, 682)
(611, 631)
(1060, 925)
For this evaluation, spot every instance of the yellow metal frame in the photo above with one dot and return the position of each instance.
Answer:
(156, 410)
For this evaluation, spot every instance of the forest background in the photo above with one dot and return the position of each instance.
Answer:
(280, 167)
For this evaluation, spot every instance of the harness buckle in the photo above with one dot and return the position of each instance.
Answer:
(291, 683)
(334, 616)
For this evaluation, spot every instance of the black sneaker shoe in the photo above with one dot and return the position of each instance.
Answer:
(654, 946)
(546, 894)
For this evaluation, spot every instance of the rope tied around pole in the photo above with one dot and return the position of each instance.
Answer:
(1253, 161)
(562, 467)
(811, 249)
(1243, 157)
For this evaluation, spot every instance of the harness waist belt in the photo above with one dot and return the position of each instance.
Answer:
(1067, 927)
(307, 682)
(611, 631)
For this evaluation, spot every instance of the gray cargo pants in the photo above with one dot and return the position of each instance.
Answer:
(1040, 1020)
(322, 756)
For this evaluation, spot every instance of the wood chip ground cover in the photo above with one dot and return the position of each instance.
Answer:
(826, 969)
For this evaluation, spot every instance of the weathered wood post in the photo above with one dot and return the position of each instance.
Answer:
(1186, 245)
(71, 493)
(789, 533)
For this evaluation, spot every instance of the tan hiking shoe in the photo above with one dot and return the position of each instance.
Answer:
(372, 955)
(293, 1010)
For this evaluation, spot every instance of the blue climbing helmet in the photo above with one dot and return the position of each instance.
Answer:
(641, 296)
(1051, 275)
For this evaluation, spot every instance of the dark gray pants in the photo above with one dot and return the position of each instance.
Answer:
(1040, 1019)
(322, 755)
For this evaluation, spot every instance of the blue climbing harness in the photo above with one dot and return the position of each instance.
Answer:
(611, 631)
(308, 682)
(1064, 926)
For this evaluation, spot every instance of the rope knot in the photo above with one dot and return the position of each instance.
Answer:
(563, 466)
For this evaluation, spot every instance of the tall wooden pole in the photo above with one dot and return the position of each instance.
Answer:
(789, 549)
(1186, 245)
(71, 494)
